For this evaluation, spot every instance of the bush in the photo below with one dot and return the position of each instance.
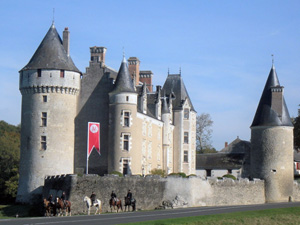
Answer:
(230, 176)
(192, 175)
(117, 173)
(159, 172)
(178, 174)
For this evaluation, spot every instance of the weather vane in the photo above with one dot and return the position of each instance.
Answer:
(53, 16)
(272, 59)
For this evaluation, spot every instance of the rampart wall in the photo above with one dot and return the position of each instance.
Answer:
(154, 192)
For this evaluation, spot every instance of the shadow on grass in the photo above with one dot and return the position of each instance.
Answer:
(8, 211)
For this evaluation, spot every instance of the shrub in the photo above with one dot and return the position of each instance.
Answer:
(117, 173)
(178, 174)
(192, 175)
(159, 172)
(230, 176)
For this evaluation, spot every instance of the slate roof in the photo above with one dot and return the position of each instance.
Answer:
(174, 83)
(237, 146)
(51, 54)
(165, 107)
(123, 82)
(265, 115)
(219, 161)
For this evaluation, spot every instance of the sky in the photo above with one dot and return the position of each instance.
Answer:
(223, 49)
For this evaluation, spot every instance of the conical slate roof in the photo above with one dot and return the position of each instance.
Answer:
(174, 83)
(265, 115)
(123, 82)
(51, 54)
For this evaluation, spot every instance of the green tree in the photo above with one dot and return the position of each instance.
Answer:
(296, 122)
(9, 160)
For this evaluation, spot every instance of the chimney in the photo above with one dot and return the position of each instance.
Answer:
(134, 69)
(98, 55)
(277, 100)
(146, 77)
(226, 144)
(66, 40)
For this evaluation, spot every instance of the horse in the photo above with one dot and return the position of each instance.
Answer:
(129, 202)
(89, 205)
(114, 203)
(63, 206)
(48, 207)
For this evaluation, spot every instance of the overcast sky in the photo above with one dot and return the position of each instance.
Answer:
(223, 48)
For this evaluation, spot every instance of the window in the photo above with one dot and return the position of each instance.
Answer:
(126, 122)
(125, 166)
(208, 173)
(62, 73)
(186, 138)
(186, 114)
(39, 72)
(44, 98)
(186, 156)
(126, 142)
(127, 98)
(44, 119)
(43, 142)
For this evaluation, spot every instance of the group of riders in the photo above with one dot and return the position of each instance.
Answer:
(93, 197)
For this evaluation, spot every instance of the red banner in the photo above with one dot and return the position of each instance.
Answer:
(93, 137)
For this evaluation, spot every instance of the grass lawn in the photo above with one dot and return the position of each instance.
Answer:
(283, 216)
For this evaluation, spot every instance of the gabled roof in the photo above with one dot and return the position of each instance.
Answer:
(237, 146)
(174, 83)
(265, 115)
(51, 54)
(123, 82)
(219, 161)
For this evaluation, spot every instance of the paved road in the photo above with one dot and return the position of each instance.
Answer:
(127, 217)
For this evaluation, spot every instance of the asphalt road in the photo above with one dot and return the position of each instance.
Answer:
(128, 217)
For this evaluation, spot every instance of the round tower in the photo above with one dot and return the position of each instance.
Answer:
(49, 85)
(122, 124)
(272, 143)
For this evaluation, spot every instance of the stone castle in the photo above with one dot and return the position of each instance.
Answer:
(140, 129)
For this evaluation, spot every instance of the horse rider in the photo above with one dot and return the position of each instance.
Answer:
(50, 199)
(129, 195)
(63, 197)
(93, 197)
(113, 196)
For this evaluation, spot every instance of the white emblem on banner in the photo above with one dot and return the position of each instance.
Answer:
(94, 128)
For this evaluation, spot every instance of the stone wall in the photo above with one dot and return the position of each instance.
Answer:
(151, 192)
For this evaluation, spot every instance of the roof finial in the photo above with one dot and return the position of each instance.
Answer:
(272, 60)
(124, 59)
(168, 70)
(180, 71)
(53, 18)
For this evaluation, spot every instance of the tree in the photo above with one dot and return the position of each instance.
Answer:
(296, 122)
(9, 161)
(203, 133)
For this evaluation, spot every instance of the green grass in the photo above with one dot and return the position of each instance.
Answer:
(286, 216)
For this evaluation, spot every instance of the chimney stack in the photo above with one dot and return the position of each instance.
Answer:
(66, 40)
(226, 144)
(146, 77)
(277, 100)
(98, 55)
(134, 69)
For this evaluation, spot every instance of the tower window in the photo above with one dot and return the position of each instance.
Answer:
(39, 73)
(186, 114)
(186, 138)
(126, 119)
(186, 156)
(44, 119)
(45, 98)
(127, 98)
(62, 73)
(126, 142)
(43, 142)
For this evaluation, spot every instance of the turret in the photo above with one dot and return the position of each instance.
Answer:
(122, 125)
(49, 85)
(272, 142)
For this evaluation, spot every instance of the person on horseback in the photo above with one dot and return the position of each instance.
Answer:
(50, 199)
(113, 196)
(129, 195)
(93, 197)
(63, 197)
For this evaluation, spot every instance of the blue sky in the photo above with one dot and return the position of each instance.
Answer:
(222, 47)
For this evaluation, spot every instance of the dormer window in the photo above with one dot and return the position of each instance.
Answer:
(186, 114)
(39, 73)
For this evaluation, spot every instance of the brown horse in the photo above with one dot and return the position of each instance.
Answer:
(62, 206)
(48, 207)
(114, 203)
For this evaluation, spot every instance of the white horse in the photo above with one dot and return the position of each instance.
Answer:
(97, 204)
